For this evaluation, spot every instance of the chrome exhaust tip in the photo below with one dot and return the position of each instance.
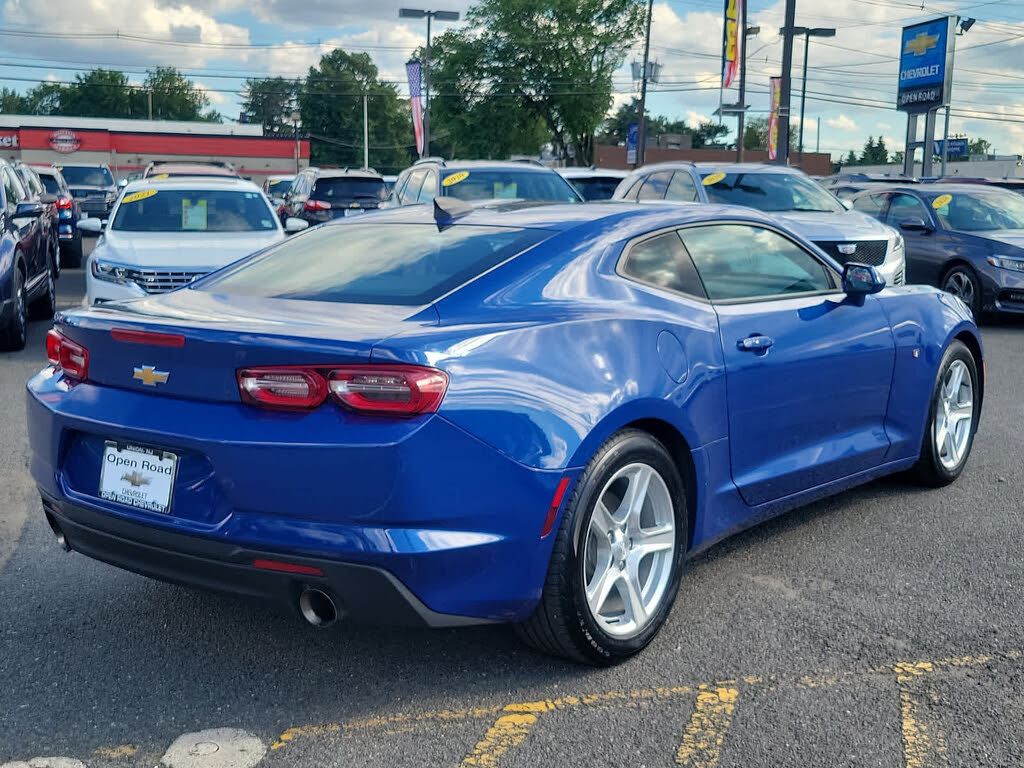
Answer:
(58, 533)
(317, 607)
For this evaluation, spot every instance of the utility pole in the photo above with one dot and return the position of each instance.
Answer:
(742, 117)
(149, 93)
(366, 136)
(808, 33)
(785, 86)
(641, 133)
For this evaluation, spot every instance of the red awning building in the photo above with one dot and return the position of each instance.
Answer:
(128, 146)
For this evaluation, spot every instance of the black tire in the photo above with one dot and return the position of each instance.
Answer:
(72, 254)
(55, 257)
(930, 469)
(962, 281)
(44, 307)
(562, 624)
(14, 332)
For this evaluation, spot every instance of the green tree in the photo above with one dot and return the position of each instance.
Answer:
(706, 133)
(331, 104)
(556, 59)
(467, 117)
(44, 99)
(11, 102)
(851, 159)
(755, 133)
(98, 93)
(269, 101)
(874, 152)
(616, 128)
(979, 147)
(175, 97)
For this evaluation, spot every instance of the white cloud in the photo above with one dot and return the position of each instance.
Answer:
(843, 123)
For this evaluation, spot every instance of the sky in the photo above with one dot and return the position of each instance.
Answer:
(851, 78)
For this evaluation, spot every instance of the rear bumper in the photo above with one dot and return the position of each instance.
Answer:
(363, 593)
(448, 517)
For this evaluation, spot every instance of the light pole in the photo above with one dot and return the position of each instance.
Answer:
(741, 118)
(808, 33)
(418, 13)
(295, 122)
(641, 131)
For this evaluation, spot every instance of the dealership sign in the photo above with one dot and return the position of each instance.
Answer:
(926, 65)
(775, 99)
(65, 141)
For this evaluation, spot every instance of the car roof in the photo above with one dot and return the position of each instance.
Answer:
(335, 173)
(193, 182)
(81, 165)
(939, 188)
(590, 173)
(746, 168)
(483, 165)
(191, 169)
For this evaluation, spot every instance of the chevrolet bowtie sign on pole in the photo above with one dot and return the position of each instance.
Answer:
(926, 79)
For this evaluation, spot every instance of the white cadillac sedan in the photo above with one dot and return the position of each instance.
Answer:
(164, 233)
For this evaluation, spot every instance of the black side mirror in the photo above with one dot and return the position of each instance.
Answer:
(859, 280)
(915, 225)
(29, 210)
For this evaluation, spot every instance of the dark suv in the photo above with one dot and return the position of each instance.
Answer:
(69, 211)
(480, 180)
(321, 194)
(93, 186)
(28, 259)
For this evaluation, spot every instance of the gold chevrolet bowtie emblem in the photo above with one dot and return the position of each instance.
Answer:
(921, 43)
(150, 376)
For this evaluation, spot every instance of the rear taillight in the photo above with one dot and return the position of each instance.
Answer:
(70, 358)
(404, 390)
(286, 388)
(384, 390)
(64, 202)
(316, 205)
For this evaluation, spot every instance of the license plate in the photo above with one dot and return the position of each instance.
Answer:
(138, 476)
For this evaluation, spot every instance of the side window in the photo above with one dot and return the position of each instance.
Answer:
(429, 189)
(738, 261)
(682, 188)
(662, 262)
(655, 186)
(10, 195)
(872, 205)
(412, 189)
(20, 193)
(400, 185)
(905, 207)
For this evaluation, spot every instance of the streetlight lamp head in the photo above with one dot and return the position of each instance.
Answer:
(966, 24)
(821, 32)
(751, 31)
(446, 15)
(411, 13)
(296, 117)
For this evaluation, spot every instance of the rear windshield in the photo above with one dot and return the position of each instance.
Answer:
(410, 264)
(508, 184)
(349, 188)
(278, 187)
(595, 189)
(88, 177)
(769, 192)
(50, 183)
(199, 210)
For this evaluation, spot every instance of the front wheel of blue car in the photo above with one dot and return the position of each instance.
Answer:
(618, 555)
(952, 418)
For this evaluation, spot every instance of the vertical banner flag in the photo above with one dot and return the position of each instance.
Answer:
(632, 140)
(775, 89)
(412, 72)
(731, 42)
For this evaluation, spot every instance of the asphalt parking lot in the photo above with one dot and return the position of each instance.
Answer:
(883, 627)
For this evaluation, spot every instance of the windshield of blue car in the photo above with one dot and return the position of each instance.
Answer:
(769, 192)
(407, 264)
(595, 188)
(86, 176)
(349, 188)
(978, 211)
(193, 210)
(508, 184)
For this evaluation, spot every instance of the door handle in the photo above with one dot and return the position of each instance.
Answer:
(755, 343)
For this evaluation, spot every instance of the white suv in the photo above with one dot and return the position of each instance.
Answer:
(164, 233)
(787, 194)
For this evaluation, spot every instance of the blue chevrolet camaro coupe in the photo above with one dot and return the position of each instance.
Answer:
(444, 415)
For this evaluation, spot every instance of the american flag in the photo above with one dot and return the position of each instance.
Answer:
(412, 72)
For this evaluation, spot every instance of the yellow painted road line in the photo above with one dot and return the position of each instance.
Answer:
(508, 732)
(924, 744)
(703, 736)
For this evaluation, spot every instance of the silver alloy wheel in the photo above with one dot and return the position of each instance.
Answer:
(954, 415)
(960, 284)
(629, 550)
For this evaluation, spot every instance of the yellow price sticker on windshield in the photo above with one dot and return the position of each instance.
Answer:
(160, 176)
(455, 178)
(134, 197)
(714, 178)
(941, 200)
